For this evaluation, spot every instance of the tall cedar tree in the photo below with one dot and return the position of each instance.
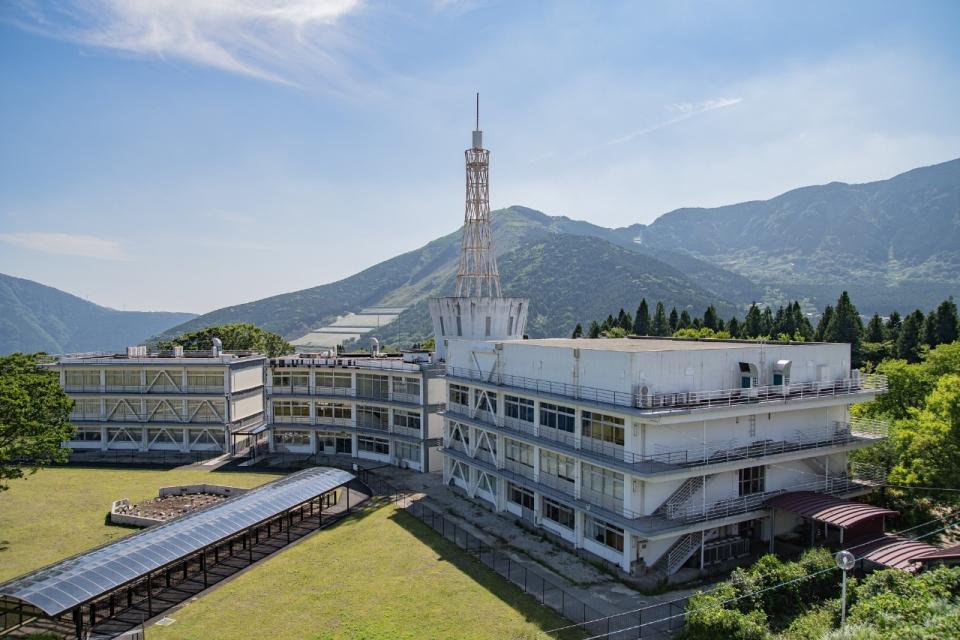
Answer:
(674, 320)
(930, 333)
(661, 327)
(34, 417)
(909, 338)
(641, 322)
(846, 326)
(733, 327)
(624, 321)
(577, 331)
(875, 330)
(892, 325)
(821, 333)
(766, 322)
(752, 323)
(594, 330)
(684, 320)
(710, 318)
(947, 325)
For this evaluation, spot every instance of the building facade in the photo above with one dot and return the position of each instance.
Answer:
(383, 408)
(652, 453)
(162, 402)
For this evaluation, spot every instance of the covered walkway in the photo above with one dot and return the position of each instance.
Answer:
(852, 519)
(118, 586)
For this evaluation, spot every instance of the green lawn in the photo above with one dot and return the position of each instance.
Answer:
(380, 574)
(60, 511)
(377, 575)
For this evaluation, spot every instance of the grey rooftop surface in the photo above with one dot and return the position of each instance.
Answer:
(641, 345)
(64, 585)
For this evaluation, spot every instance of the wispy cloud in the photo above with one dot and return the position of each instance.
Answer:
(267, 39)
(65, 244)
(681, 112)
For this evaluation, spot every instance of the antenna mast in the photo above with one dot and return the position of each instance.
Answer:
(477, 275)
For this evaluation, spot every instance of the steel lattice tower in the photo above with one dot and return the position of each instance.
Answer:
(477, 275)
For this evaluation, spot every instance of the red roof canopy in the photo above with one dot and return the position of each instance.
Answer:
(827, 509)
(896, 552)
(947, 553)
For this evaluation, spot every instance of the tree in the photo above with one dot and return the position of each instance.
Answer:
(661, 327)
(766, 322)
(733, 327)
(710, 318)
(241, 336)
(641, 322)
(846, 326)
(908, 340)
(875, 332)
(674, 320)
(594, 330)
(34, 417)
(684, 320)
(929, 444)
(893, 325)
(931, 334)
(752, 324)
(820, 334)
(947, 324)
(577, 331)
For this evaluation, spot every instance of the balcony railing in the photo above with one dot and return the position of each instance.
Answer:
(687, 400)
(347, 392)
(556, 482)
(717, 452)
(406, 431)
(143, 389)
(519, 468)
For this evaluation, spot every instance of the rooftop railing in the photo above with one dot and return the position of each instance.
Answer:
(665, 459)
(687, 400)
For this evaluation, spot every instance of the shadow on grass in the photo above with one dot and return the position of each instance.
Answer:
(533, 612)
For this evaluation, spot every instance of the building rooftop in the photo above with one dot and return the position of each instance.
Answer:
(638, 344)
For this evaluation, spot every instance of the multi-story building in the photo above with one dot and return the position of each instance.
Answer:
(652, 453)
(193, 402)
(382, 408)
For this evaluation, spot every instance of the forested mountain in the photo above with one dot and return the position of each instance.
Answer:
(35, 317)
(883, 241)
(564, 273)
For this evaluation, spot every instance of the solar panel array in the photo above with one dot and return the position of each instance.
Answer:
(62, 586)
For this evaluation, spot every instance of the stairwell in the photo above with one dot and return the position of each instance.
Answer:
(679, 552)
(677, 501)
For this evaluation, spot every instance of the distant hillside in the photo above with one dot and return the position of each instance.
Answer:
(894, 240)
(35, 317)
(574, 274)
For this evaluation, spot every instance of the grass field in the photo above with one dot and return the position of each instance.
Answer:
(380, 574)
(60, 511)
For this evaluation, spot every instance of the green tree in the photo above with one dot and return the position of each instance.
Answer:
(594, 330)
(624, 321)
(685, 322)
(733, 327)
(947, 324)
(241, 336)
(893, 325)
(674, 320)
(753, 323)
(641, 321)
(931, 334)
(660, 327)
(615, 332)
(820, 334)
(577, 331)
(908, 339)
(875, 330)
(929, 445)
(34, 417)
(710, 318)
(846, 326)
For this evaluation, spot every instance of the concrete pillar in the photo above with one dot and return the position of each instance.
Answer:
(536, 463)
(103, 434)
(185, 443)
(313, 413)
(103, 380)
(579, 526)
(270, 443)
(313, 438)
(144, 439)
(627, 558)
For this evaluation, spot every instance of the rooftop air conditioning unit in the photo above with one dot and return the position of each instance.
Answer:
(178, 351)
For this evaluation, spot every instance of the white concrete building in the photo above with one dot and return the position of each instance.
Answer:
(383, 408)
(652, 453)
(171, 402)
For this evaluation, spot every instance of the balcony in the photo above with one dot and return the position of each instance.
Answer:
(406, 431)
(557, 482)
(666, 403)
(519, 468)
(144, 389)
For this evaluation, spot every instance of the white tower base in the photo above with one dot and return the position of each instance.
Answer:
(477, 318)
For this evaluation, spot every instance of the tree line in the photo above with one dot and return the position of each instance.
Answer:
(903, 337)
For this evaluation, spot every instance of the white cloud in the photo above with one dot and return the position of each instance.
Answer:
(267, 39)
(65, 244)
(683, 111)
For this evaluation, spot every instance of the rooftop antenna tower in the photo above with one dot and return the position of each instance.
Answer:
(477, 275)
(478, 310)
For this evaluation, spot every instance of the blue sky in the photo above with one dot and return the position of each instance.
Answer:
(175, 155)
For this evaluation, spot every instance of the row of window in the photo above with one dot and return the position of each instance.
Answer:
(600, 531)
(166, 378)
(341, 443)
(369, 385)
(151, 410)
(367, 416)
(154, 436)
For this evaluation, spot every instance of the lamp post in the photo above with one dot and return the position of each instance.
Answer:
(845, 560)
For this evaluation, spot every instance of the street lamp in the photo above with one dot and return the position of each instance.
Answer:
(845, 560)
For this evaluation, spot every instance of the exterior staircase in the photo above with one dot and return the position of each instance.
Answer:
(677, 501)
(679, 552)
(816, 465)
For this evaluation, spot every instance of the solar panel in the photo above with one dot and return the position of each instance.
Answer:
(64, 585)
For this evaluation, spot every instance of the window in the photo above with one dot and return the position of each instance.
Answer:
(122, 410)
(162, 411)
(160, 436)
(488, 484)
(373, 417)
(119, 435)
(606, 534)
(86, 435)
(157, 379)
(460, 434)
(459, 394)
(520, 496)
(556, 512)
(291, 437)
(334, 411)
(519, 452)
(131, 378)
(406, 386)
(518, 408)
(407, 451)
(333, 379)
(85, 410)
(752, 480)
(406, 419)
(344, 445)
(602, 427)
(557, 417)
(370, 385)
(211, 379)
(203, 411)
(83, 378)
(485, 400)
(558, 465)
(603, 481)
(291, 409)
(374, 445)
